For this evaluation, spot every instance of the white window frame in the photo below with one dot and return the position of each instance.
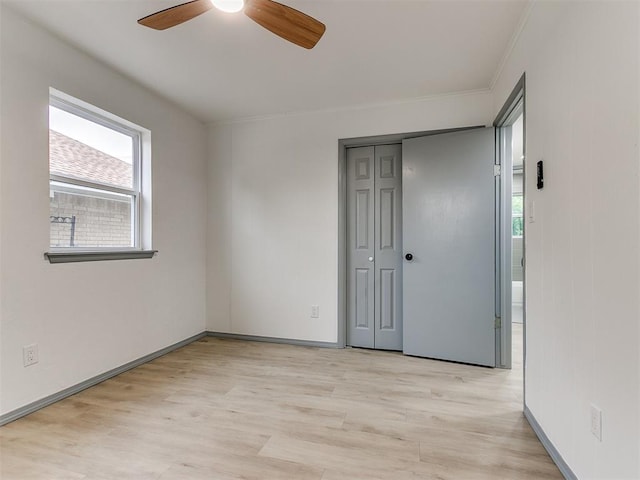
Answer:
(77, 186)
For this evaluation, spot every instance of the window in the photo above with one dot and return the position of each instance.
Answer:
(95, 179)
(517, 226)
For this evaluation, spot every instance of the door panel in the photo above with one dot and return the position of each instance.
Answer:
(388, 289)
(360, 245)
(448, 226)
(363, 291)
(374, 242)
(362, 221)
(388, 253)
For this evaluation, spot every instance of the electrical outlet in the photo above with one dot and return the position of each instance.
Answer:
(30, 354)
(596, 422)
(315, 311)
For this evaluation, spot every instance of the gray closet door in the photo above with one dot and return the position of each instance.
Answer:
(448, 227)
(388, 251)
(360, 245)
(374, 239)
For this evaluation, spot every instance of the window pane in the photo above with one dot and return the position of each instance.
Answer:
(517, 227)
(516, 204)
(90, 219)
(85, 150)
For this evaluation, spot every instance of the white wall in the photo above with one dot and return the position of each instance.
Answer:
(88, 318)
(582, 106)
(273, 211)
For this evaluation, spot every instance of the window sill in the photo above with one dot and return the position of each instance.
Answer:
(69, 257)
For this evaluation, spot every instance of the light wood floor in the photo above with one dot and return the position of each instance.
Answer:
(226, 409)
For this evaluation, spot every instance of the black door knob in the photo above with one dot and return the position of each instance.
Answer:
(409, 257)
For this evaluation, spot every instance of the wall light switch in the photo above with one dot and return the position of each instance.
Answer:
(531, 211)
(315, 311)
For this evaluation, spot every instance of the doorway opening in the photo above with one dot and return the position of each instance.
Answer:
(510, 150)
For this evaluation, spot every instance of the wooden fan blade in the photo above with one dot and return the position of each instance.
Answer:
(285, 22)
(170, 17)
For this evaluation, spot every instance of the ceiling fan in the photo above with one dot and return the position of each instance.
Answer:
(286, 22)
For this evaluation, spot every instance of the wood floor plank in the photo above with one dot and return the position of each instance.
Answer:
(227, 410)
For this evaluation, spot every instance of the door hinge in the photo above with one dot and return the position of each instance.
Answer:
(497, 170)
(498, 323)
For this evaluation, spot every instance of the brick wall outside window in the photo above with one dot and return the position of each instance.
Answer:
(99, 222)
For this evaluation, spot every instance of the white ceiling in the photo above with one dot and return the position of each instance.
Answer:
(224, 66)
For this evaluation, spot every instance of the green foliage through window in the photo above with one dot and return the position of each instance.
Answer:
(516, 205)
(517, 229)
(517, 224)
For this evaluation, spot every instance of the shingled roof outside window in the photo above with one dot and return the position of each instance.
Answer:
(71, 158)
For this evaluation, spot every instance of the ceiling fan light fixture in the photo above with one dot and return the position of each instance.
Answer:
(229, 6)
(286, 22)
